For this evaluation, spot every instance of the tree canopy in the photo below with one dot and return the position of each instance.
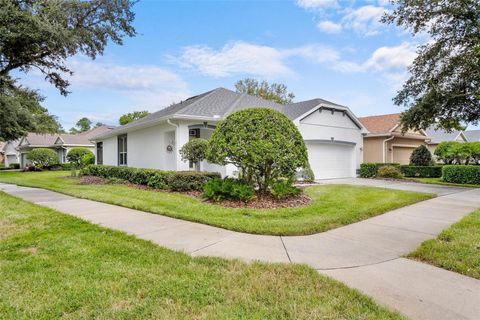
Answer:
(41, 35)
(270, 91)
(21, 112)
(443, 88)
(132, 116)
(82, 125)
(263, 143)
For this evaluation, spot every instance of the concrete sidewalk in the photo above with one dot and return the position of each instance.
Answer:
(365, 255)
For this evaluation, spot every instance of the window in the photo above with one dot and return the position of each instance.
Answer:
(122, 150)
(99, 152)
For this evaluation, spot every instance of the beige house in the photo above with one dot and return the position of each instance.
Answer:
(385, 142)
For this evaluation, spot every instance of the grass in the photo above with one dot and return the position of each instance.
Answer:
(57, 266)
(456, 249)
(441, 182)
(333, 205)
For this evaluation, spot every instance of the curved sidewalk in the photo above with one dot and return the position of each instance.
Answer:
(365, 255)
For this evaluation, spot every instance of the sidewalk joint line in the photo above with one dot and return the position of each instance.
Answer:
(286, 251)
(357, 266)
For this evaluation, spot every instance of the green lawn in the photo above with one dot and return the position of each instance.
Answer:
(456, 249)
(333, 205)
(57, 266)
(441, 182)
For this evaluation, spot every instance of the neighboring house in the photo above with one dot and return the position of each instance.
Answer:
(60, 143)
(332, 133)
(11, 153)
(472, 135)
(439, 135)
(385, 142)
(2, 156)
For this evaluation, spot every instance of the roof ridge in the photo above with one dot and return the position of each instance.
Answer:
(207, 94)
(236, 102)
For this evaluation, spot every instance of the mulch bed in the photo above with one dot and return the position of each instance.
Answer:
(259, 202)
(269, 202)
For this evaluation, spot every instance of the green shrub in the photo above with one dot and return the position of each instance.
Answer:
(442, 151)
(158, 179)
(88, 159)
(421, 156)
(370, 170)
(14, 166)
(228, 189)
(188, 180)
(263, 143)
(461, 174)
(75, 156)
(421, 171)
(194, 150)
(43, 158)
(390, 172)
(284, 189)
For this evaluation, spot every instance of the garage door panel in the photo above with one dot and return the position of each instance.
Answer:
(329, 161)
(402, 154)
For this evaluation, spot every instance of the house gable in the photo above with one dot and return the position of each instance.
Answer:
(330, 117)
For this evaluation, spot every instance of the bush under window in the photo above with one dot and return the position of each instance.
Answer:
(76, 155)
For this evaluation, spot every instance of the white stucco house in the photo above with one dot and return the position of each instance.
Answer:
(333, 134)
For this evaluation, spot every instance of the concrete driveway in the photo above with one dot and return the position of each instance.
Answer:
(399, 185)
(366, 255)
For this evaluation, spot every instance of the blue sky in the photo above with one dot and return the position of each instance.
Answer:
(336, 50)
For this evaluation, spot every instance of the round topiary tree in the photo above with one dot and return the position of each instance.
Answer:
(194, 151)
(263, 143)
(43, 158)
(75, 156)
(421, 156)
(443, 151)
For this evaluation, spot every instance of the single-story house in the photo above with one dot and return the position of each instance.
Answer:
(472, 135)
(439, 135)
(10, 152)
(333, 134)
(60, 143)
(385, 142)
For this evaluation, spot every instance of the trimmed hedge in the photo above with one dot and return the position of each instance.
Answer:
(421, 171)
(370, 170)
(461, 174)
(158, 179)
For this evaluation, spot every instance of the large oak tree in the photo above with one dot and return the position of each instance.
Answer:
(443, 88)
(41, 35)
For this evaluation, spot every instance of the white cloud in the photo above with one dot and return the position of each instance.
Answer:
(235, 58)
(329, 26)
(364, 20)
(388, 58)
(91, 74)
(316, 4)
(316, 53)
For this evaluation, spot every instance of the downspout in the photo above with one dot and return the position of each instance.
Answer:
(385, 147)
(176, 126)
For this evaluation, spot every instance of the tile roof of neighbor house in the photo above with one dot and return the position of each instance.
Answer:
(219, 103)
(438, 136)
(472, 135)
(380, 124)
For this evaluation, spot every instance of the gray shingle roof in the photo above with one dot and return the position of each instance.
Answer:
(441, 135)
(472, 135)
(219, 103)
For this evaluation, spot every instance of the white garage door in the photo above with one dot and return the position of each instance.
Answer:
(330, 160)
